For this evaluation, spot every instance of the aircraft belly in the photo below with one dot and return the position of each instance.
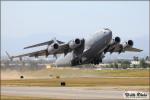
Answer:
(98, 46)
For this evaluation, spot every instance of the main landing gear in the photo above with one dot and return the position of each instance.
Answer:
(96, 61)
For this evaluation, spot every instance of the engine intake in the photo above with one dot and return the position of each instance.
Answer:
(55, 46)
(77, 41)
(117, 39)
(130, 42)
(74, 43)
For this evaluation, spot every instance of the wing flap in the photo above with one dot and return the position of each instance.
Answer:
(133, 49)
(32, 54)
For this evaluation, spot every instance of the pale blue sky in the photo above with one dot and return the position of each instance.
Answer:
(28, 22)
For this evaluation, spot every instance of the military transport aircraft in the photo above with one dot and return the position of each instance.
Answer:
(82, 51)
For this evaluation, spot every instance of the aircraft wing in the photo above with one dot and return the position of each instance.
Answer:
(119, 48)
(63, 49)
(54, 47)
(44, 43)
(32, 54)
(131, 49)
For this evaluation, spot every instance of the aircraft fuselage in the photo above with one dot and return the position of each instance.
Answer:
(93, 47)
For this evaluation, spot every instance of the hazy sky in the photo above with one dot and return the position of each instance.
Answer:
(29, 22)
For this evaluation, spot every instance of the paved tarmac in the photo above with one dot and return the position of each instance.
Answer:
(64, 92)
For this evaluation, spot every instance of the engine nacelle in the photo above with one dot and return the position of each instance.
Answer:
(130, 43)
(117, 39)
(75, 43)
(53, 48)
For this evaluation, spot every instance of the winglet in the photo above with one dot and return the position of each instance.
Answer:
(10, 57)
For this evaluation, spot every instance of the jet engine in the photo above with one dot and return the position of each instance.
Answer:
(53, 48)
(75, 43)
(130, 43)
(113, 45)
(117, 40)
(125, 45)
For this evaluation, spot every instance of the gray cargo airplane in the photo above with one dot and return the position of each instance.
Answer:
(82, 51)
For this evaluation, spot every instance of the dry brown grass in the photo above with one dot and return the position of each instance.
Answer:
(71, 73)
(78, 77)
(78, 82)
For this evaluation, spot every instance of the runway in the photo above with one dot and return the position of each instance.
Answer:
(115, 92)
(64, 92)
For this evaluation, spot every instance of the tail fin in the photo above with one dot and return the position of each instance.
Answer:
(10, 57)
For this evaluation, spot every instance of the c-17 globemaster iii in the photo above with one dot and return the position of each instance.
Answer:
(78, 51)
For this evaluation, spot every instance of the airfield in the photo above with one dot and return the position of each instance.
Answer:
(90, 84)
